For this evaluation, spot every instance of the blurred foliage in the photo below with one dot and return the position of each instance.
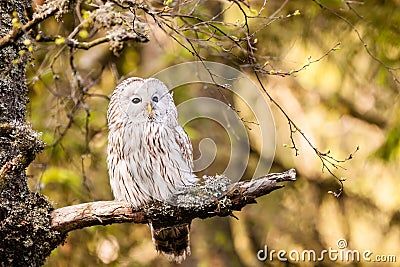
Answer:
(346, 98)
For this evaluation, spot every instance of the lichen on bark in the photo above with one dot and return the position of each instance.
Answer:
(26, 237)
(25, 230)
(12, 66)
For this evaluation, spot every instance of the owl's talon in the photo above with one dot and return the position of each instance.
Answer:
(133, 208)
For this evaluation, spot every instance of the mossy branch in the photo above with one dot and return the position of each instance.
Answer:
(240, 194)
(16, 32)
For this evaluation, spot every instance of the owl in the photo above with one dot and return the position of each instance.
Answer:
(149, 155)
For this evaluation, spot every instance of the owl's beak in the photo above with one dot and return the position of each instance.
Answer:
(150, 110)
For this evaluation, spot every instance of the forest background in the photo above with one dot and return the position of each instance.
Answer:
(332, 67)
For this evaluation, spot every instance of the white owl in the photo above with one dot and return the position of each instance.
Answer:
(149, 154)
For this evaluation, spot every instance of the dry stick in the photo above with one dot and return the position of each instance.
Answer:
(242, 193)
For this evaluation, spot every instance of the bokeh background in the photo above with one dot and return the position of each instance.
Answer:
(345, 95)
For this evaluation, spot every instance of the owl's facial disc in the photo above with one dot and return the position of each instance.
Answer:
(146, 100)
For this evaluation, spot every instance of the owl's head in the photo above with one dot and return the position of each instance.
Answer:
(141, 100)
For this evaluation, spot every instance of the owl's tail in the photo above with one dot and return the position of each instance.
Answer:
(173, 242)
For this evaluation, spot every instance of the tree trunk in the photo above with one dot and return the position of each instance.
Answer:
(26, 238)
(29, 228)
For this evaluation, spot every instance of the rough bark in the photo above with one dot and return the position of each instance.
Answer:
(13, 90)
(107, 212)
(26, 238)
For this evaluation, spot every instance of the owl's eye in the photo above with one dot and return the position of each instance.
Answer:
(155, 99)
(136, 100)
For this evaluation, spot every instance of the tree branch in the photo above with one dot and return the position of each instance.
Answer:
(108, 212)
(48, 10)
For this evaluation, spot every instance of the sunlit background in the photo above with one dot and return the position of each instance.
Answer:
(343, 94)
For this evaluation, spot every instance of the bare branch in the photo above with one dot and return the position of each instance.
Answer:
(327, 161)
(388, 68)
(294, 71)
(242, 193)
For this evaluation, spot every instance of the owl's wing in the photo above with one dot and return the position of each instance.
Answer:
(186, 146)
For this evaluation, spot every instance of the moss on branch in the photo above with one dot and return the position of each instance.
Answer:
(166, 214)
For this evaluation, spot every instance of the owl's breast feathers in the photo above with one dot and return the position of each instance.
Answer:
(152, 158)
(170, 151)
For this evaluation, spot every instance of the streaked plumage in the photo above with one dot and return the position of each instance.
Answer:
(149, 154)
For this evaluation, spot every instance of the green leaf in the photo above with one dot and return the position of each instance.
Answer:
(60, 40)
(167, 2)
